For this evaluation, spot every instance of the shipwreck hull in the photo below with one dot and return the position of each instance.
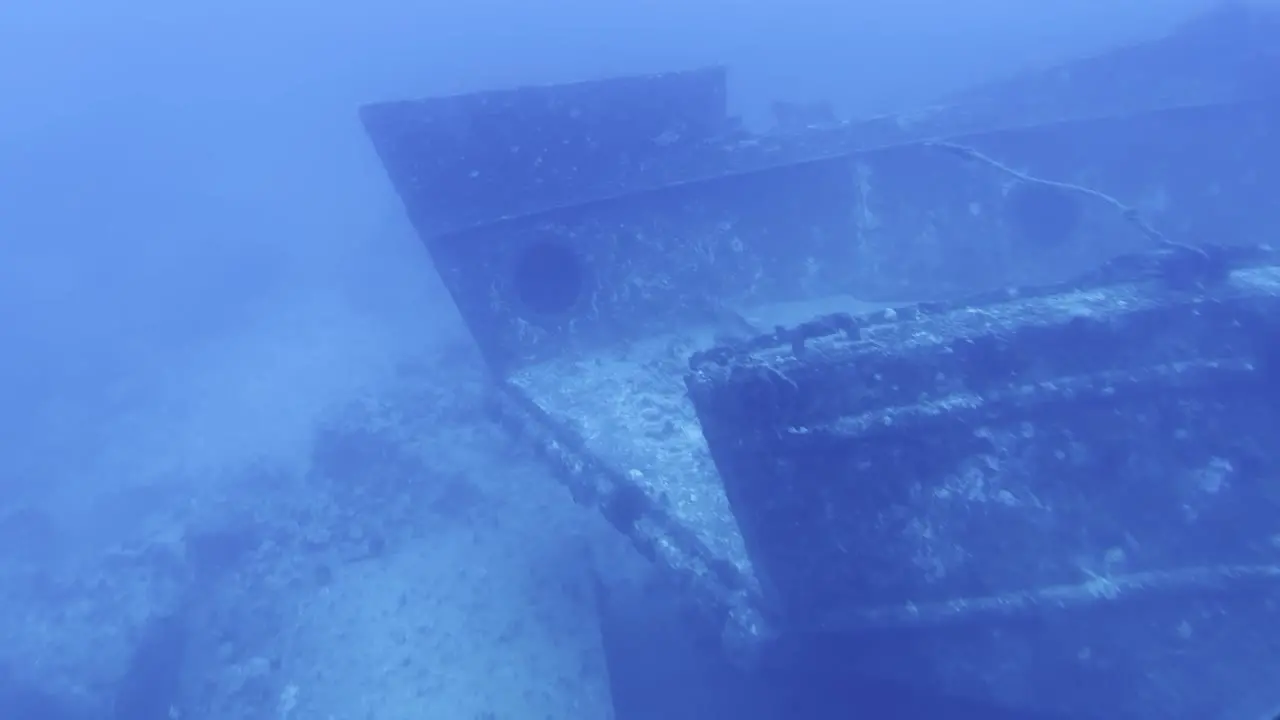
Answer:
(784, 364)
(837, 213)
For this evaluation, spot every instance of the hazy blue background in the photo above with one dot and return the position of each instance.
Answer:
(198, 251)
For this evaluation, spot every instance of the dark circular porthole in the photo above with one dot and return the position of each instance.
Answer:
(548, 278)
(1043, 215)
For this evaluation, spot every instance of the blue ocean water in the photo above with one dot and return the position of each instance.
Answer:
(373, 361)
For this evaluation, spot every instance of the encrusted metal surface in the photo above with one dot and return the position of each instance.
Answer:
(880, 440)
(1033, 489)
(619, 427)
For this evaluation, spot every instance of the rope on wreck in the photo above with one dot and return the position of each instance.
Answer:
(1128, 212)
